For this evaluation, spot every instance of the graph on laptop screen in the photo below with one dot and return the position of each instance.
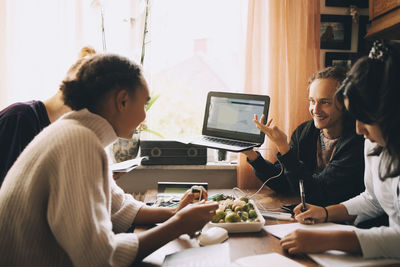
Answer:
(232, 114)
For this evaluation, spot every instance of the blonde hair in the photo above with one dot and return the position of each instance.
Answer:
(85, 53)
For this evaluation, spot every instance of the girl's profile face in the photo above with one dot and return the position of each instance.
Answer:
(136, 112)
(132, 111)
(371, 132)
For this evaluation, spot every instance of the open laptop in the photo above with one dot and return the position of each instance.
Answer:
(228, 121)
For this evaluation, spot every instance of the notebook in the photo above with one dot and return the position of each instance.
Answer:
(228, 121)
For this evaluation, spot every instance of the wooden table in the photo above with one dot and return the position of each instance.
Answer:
(241, 245)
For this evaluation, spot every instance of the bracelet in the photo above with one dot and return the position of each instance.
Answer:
(326, 213)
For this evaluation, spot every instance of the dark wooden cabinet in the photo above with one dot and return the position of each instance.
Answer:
(385, 19)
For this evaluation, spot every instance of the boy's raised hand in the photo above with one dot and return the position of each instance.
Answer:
(275, 134)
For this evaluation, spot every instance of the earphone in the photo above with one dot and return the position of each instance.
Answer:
(269, 179)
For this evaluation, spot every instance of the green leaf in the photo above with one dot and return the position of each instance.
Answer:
(152, 100)
(153, 132)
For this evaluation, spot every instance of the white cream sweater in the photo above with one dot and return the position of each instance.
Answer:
(58, 204)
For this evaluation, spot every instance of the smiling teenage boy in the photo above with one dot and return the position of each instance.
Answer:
(324, 152)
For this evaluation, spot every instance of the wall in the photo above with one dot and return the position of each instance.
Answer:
(354, 30)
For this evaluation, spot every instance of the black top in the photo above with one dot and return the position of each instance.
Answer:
(19, 124)
(341, 179)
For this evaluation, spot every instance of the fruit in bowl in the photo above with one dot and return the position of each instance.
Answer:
(232, 210)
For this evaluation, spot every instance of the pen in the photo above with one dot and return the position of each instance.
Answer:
(302, 196)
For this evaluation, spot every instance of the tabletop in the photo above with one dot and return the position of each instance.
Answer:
(240, 244)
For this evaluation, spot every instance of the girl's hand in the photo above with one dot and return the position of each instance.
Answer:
(189, 197)
(194, 216)
(313, 214)
(304, 241)
(116, 175)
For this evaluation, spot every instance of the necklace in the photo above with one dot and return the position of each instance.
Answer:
(326, 143)
(321, 139)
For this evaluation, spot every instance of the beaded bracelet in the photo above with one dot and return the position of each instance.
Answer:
(326, 212)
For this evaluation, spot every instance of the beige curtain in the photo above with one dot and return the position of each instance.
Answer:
(282, 52)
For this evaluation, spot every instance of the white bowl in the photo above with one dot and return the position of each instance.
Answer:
(242, 227)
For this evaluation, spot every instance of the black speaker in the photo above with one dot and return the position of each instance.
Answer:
(161, 152)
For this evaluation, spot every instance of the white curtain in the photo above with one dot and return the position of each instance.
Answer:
(40, 39)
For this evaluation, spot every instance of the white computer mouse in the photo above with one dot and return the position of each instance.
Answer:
(213, 235)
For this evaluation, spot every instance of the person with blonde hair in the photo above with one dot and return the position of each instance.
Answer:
(21, 122)
(324, 152)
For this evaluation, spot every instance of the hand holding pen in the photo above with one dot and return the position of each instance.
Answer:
(302, 195)
(307, 219)
(313, 214)
(303, 206)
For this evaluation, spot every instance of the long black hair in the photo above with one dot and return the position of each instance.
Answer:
(373, 92)
(99, 75)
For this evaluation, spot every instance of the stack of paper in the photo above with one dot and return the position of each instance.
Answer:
(126, 166)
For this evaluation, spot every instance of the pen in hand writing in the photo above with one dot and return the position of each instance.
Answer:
(303, 202)
(302, 196)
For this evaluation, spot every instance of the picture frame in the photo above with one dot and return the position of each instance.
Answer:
(335, 32)
(340, 59)
(341, 3)
(364, 45)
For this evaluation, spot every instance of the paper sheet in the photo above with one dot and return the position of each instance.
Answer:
(331, 257)
(273, 259)
(338, 258)
(208, 256)
(281, 230)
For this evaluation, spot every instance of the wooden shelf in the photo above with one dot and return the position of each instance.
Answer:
(385, 19)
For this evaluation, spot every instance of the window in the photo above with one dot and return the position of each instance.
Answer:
(192, 47)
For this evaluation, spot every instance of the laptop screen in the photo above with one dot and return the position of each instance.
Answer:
(230, 115)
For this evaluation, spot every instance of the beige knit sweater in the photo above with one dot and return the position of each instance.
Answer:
(58, 204)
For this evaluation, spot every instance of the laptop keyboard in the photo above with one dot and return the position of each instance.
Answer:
(225, 141)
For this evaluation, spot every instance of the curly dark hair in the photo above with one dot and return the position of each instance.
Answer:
(373, 91)
(99, 75)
